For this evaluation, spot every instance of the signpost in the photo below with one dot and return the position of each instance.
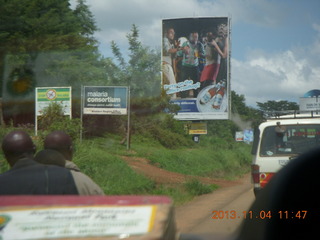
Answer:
(47, 95)
(106, 100)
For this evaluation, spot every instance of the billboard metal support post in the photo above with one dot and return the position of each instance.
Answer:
(128, 126)
(81, 113)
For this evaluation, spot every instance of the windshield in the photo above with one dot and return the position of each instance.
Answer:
(289, 139)
(126, 99)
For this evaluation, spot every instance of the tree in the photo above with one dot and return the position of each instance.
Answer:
(141, 72)
(46, 43)
(87, 22)
(276, 108)
(238, 104)
(270, 106)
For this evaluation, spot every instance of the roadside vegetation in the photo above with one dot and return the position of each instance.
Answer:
(100, 157)
(66, 44)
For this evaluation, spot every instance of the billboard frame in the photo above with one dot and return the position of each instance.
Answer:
(106, 110)
(128, 108)
(198, 114)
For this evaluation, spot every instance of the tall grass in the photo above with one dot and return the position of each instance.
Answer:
(100, 158)
(110, 171)
(212, 159)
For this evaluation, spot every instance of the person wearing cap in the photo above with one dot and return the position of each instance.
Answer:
(26, 176)
(62, 143)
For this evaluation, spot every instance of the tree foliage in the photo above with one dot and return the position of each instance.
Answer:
(46, 43)
(282, 105)
(141, 71)
(52, 42)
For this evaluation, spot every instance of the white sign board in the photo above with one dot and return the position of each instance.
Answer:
(309, 104)
(239, 136)
(76, 222)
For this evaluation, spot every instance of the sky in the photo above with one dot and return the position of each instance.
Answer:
(275, 44)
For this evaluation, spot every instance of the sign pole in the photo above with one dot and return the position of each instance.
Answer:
(81, 113)
(128, 126)
(36, 115)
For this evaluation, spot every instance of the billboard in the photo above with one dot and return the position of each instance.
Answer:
(102, 100)
(196, 66)
(310, 101)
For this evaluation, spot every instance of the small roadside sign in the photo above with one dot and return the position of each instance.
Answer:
(103, 100)
(46, 95)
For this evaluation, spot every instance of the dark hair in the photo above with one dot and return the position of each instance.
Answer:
(16, 145)
(61, 142)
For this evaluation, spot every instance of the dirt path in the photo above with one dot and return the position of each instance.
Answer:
(159, 175)
(195, 217)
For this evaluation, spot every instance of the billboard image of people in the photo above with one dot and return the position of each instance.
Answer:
(195, 66)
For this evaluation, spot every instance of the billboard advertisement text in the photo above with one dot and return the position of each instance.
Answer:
(105, 100)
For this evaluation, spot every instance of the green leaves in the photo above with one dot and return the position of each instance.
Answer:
(277, 106)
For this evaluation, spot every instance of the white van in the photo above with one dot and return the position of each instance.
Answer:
(280, 139)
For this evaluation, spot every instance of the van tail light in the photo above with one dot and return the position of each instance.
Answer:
(255, 171)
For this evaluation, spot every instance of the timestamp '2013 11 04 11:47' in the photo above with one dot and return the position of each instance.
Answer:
(233, 214)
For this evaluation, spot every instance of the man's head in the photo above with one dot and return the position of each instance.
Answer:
(194, 36)
(17, 145)
(170, 33)
(61, 142)
(222, 30)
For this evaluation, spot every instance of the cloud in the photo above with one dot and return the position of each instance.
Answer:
(316, 44)
(262, 76)
(115, 17)
(281, 76)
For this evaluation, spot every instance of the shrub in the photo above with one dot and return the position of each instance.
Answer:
(53, 119)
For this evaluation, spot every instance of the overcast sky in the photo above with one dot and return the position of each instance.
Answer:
(275, 45)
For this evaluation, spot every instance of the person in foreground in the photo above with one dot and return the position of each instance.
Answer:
(288, 207)
(26, 176)
(62, 143)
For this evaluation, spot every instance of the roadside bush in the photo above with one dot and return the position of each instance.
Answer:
(162, 128)
(53, 119)
(52, 113)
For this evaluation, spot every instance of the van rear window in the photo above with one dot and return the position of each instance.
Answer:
(289, 139)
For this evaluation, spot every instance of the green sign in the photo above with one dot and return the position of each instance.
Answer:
(47, 95)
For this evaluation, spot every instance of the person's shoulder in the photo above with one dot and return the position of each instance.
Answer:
(72, 166)
(85, 185)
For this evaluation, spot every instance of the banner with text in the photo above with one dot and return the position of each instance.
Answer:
(102, 100)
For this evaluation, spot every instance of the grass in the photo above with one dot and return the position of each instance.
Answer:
(196, 188)
(109, 171)
(100, 158)
(209, 160)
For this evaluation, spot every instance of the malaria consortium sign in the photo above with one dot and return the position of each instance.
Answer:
(101, 100)
(46, 95)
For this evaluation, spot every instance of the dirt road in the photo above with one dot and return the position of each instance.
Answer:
(196, 217)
